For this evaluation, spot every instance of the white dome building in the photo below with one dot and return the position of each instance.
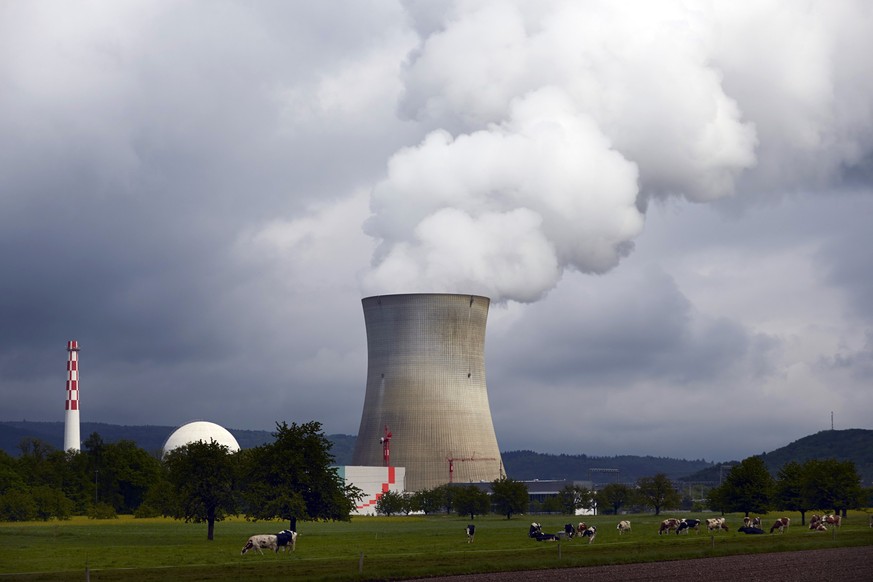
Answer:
(203, 431)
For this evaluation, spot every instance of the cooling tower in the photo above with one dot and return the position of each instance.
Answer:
(426, 387)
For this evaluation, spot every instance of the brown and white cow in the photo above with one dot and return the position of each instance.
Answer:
(668, 525)
(623, 526)
(716, 523)
(781, 524)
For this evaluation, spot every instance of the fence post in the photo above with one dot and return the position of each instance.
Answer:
(361, 563)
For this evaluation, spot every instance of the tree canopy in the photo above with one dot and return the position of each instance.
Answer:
(615, 496)
(292, 477)
(202, 475)
(509, 496)
(748, 488)
(470, 500)
(658, 492)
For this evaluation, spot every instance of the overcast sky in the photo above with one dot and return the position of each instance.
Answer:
(670, 205)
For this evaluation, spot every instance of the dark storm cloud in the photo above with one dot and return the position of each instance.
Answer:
(186, 188)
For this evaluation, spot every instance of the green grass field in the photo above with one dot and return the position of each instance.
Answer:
(374, 548)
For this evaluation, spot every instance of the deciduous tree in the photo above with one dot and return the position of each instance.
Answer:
(615, 496)
(658, 492)
(293, 477)
(202, 475)
(470, 500)
(748, 488)
(509, 496)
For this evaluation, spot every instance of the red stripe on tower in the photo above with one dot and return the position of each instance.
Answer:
(71, 406)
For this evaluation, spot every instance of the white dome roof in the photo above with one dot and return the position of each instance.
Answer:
(200, 430)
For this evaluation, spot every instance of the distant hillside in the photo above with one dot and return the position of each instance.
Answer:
(528, 465)
(852, 444)
(148, 437)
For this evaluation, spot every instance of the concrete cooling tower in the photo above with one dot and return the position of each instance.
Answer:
(426, 406)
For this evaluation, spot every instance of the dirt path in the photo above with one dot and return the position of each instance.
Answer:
(843, 564)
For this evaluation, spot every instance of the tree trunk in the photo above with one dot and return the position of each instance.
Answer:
(210, 524)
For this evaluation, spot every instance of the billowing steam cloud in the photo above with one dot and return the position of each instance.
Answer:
(555, 123)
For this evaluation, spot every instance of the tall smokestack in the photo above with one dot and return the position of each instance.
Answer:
(71, 419)
(426, 384)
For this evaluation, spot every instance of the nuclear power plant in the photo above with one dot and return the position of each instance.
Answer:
(426, 405)
(72, 440)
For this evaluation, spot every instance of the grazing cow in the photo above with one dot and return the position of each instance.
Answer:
(668, 525)
(687, 525)
(623, 526)
(716, 523)
(471, 531)
(751, 530)
(284, 539)
(834, 520)
(781, 524)
(590, 533)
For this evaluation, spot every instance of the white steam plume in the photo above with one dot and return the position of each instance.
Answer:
(558, 121)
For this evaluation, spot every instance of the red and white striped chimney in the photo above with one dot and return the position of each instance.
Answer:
(71, 419)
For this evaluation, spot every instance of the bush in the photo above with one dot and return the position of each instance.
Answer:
(102, 511)
(17, 505)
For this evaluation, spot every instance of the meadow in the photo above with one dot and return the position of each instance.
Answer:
(371, 548)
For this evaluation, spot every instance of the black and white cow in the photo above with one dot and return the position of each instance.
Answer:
(569, 530)
(750, 530)
(471, 531)
(590, 532)
(536, 532)
(284, 539)
(687, 525)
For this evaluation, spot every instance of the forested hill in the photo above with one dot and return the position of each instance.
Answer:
(528, 465)
(854, 444)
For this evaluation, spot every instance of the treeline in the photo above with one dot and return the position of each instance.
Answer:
(823, 485)
(289, 478)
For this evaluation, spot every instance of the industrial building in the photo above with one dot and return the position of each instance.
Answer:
(426, 404)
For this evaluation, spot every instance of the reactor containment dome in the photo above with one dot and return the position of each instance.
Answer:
(203, 431)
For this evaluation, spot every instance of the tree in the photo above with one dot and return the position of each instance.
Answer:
(831, 484)
(573, 497)
(429, 500)
(125, 474)
(747, 488)
(470, 500)
(292, 477)
(509, 496)
(658, 492)
(202, 475)
(789, 491)
(615, 496)
(390, 502)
